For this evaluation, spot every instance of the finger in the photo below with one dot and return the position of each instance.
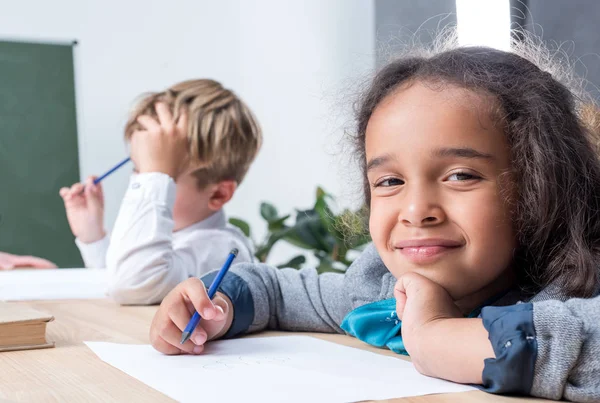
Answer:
(193, 290)
(148, 123)
(76, 189)
(214, 328)
(74, 200)
(162, 346)
(91, 191)
(184, 311)
(222, 308)
(35, 262)
(63, 192)
(172, 335)
(89, 186)
(182, 123)
(179, 313)
(409, 283)
(199, 335)
(165, 118)
(98, 188)
(400, 303)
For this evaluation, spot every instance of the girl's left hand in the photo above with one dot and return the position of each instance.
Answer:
(422, 305)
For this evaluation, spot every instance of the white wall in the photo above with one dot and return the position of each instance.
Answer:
(286, 59)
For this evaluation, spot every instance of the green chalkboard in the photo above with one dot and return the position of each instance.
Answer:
(38, 150)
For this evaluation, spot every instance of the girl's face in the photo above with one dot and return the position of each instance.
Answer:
(438, 172)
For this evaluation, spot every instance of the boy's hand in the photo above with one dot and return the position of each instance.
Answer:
(440, 341)
(177, 309)
(85, 210)
(163, 145)
(9, 261)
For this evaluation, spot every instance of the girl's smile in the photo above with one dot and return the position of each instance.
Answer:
(426, 250)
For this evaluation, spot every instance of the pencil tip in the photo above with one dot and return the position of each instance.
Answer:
(185, 337)
(234, 251)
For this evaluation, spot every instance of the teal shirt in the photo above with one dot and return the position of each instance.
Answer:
(378, 324)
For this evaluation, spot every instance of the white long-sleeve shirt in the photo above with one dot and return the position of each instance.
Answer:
(145, 258)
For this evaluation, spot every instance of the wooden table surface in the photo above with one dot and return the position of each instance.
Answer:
(71, 372)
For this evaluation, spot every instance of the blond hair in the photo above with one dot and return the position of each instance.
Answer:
(224, 136)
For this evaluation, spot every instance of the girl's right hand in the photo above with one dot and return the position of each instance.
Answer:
(84, 205)
(175, 312)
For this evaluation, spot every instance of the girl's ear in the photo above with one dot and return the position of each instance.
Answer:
(221, 193)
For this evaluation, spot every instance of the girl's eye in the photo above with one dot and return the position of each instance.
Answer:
(462, 176)
(389, 182)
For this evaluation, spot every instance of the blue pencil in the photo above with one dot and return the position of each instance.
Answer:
(187, 333)
(110, 171)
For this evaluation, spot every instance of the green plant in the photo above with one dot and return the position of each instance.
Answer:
(328, 236)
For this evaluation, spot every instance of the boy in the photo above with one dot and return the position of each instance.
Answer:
(192, 146)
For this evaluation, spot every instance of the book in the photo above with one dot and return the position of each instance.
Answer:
(22, 327)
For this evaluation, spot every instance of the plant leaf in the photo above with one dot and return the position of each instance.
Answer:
(241, 224)
(278, 224)
(309, 230)
(268, 212)
(262, 251)
(326, 264)
(294, 263)
(321, 193)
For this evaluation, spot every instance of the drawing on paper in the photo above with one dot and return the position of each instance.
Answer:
(225, 364)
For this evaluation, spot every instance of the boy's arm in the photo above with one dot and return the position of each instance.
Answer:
(142, 265)
(93, 254)
(551, 349)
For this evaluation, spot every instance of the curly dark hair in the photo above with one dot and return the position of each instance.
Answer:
(555, 167)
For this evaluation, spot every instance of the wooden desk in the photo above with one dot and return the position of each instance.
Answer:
(73, 373)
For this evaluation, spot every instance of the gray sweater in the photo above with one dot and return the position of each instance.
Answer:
(545, 347)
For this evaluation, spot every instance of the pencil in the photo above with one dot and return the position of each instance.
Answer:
(110, 171)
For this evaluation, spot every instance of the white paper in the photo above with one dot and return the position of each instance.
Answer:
(273, 369)
(20, 285)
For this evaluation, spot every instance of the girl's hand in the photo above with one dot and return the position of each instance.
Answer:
(176, 311)
(84, 205)
(440, 341)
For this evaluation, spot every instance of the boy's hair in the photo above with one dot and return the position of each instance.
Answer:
(554, 164)
(224, 136)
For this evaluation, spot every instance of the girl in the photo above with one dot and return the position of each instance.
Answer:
(484, 189)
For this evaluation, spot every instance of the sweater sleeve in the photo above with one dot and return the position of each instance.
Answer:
(265, 297)
(548, 349)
